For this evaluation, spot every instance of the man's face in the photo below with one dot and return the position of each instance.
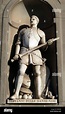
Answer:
(33, 20)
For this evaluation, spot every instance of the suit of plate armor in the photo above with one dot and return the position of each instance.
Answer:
(29, 38)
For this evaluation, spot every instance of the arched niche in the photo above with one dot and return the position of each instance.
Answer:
(8, 33)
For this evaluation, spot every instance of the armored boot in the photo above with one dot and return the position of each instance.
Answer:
(19, 82)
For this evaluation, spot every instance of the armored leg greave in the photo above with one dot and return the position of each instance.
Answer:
(37, 82)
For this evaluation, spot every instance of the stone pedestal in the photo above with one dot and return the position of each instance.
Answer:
(32, 101)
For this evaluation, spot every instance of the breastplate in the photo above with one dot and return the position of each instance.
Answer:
(30, 38)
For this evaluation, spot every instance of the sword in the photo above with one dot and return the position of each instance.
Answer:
(35, 48)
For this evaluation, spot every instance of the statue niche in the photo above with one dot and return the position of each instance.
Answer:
(27, 90)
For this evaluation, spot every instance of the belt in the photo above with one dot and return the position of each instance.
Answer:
(25, 48)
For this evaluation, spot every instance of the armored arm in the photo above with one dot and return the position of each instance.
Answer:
(42, 36)
(18, 46)
(42, 39)
(17, 49)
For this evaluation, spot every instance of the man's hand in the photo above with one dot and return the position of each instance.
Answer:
(15, 58)
(50, 41)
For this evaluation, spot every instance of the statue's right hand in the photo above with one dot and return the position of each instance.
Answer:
(14, 58)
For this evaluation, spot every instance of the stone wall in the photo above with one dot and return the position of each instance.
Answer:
(3, 4)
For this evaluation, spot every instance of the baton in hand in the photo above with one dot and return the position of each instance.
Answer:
(35, 48)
